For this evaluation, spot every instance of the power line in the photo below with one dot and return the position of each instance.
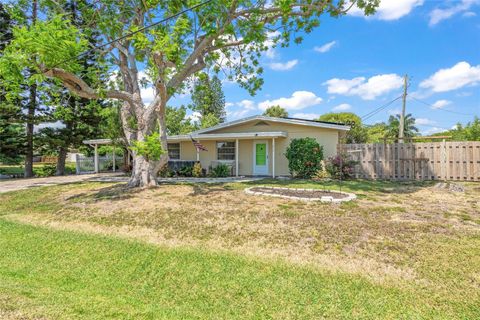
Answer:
(435, 108)
(130, 34)
(374, 112)
(134, 32)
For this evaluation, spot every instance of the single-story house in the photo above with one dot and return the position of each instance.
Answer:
(252, 146)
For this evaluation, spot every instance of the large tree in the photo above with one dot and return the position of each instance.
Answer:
(224, 35)
(357, 132)
(12, 132)
(208, 98)
(80, 117)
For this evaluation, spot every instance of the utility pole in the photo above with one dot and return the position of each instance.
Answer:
(402, 115)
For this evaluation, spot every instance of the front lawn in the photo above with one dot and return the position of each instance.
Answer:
(93, 250)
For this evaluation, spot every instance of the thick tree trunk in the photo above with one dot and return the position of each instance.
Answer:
(62, 156)
(30, 124)
(31, 112)
(144, 172)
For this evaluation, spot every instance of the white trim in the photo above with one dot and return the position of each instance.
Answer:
(273, 157)
(273, 119)
(255, 157)
(98, 141)
(210, 136)
(95, 159)
(231, 136)
(236, 157)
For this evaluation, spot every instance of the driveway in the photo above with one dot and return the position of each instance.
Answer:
(20, 184)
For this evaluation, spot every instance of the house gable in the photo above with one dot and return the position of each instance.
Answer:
(269, 124)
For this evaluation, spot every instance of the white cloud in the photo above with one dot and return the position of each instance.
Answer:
(439, 104)
(342, 107)
(271, 52)
(469, 14)
(365, 89)
(195, 116)
(390, 9)
(424, 121)
(244, 108)
(283, 66)
(147, 94)
(432, 130)
(247, 104)
(299, 100)
(308, 116)
(458, 76)
(342, 86)
(437, 15)
(326, 47)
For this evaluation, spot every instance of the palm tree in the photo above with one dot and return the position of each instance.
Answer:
(393, 127)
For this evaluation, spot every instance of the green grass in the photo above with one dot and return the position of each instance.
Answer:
(66, 275)
(55, 274)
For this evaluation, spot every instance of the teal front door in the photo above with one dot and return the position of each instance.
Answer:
(260, 158)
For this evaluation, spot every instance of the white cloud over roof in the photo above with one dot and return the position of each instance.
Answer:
(366, 89)
(299, 100)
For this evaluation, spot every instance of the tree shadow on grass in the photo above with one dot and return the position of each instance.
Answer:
(206, 189)
(113, 193)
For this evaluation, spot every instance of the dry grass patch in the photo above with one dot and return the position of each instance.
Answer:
(409, 234)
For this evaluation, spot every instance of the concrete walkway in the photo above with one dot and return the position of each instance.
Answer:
(20, 184)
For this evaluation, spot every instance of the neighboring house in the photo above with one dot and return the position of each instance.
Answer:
(254, 145)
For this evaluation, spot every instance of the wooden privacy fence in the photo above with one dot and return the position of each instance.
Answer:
(459, 160)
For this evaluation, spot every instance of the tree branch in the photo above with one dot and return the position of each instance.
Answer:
(75, 84)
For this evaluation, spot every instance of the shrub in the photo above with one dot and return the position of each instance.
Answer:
(166, 172)
(186, 171)
(340, 166)
(46, 170)
(304, 156)
(220, 171)
(197, 171)
(322, 173)
(150, 148)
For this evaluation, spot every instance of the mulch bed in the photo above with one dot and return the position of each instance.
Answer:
(300, 193)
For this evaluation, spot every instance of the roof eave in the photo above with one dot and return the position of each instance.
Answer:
(273, 119)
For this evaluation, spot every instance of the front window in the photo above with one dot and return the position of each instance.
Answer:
(225, 150)
(174, 151)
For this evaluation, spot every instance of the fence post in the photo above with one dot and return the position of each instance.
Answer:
(77, 163)
(443, 162)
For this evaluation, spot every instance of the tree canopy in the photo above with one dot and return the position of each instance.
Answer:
(357, 132)
(224, 36)
(276, 111)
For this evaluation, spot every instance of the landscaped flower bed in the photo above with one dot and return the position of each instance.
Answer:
(301, 194)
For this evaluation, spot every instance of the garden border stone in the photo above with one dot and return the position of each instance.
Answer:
(349, 196)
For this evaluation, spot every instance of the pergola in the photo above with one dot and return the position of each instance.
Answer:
(95, 143)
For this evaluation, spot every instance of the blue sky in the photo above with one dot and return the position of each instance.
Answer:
(356, 64)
